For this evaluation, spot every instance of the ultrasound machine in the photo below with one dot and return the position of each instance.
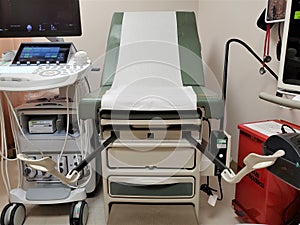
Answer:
(46, 127)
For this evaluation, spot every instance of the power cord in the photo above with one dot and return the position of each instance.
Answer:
(206, 187)
(209, 191)
(220, 188)
(225, 68)
(225, 71)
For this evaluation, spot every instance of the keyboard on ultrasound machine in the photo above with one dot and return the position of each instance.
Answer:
(29, 77)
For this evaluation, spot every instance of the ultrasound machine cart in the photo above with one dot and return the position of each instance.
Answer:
(49, 127)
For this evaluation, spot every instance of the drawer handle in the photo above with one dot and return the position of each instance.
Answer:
(147, 185)
(151, 167)
(144, 181)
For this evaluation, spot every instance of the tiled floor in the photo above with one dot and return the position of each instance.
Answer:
(221, 214)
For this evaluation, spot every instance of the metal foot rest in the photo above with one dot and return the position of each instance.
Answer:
(142, 214)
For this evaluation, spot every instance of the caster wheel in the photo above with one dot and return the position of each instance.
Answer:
(13, 214)
(79, 213)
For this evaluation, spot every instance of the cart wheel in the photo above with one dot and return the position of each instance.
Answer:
(13, 214)
(79, 213)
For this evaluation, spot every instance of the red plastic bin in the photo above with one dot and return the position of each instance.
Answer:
(261, 197)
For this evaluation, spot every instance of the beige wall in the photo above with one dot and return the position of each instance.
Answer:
(97, 14)
(218, 20)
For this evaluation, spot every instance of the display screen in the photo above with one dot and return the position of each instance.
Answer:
(39, 18)
(41, 53)
(291, 72)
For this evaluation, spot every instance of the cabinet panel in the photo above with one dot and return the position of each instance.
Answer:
(159, 157)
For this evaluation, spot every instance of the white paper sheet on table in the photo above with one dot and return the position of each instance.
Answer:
(151, 99)
(148, 75)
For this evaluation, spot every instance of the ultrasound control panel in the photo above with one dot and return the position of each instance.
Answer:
(40, 66)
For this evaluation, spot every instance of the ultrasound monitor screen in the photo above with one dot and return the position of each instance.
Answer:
(39, 18)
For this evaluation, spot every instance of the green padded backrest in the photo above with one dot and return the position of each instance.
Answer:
(188, 44)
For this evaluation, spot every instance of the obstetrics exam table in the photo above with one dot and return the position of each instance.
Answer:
(149, 111)
(151, 163)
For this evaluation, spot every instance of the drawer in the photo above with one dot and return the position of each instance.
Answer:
(158, 157)
(151, 187)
